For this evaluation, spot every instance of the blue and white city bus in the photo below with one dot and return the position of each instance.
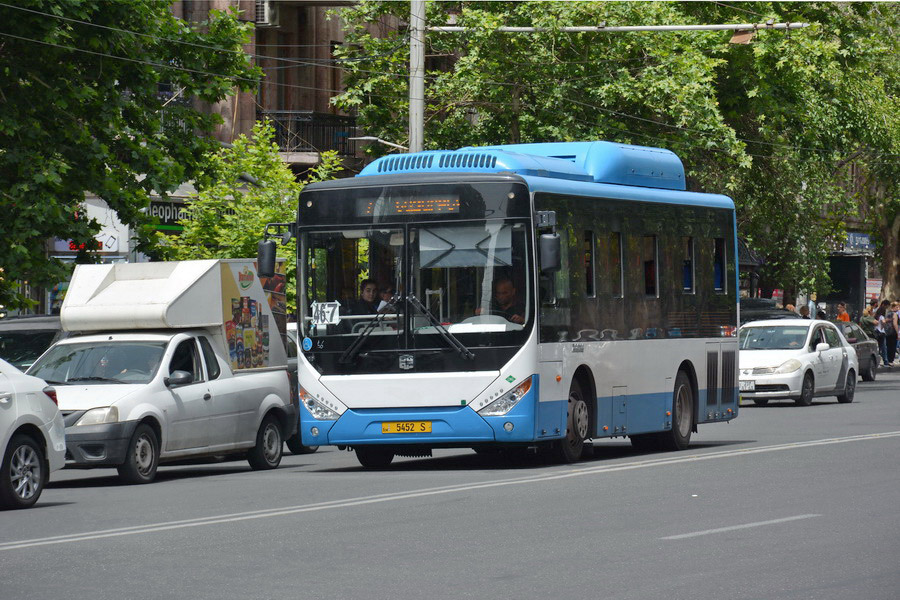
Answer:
(622, 319)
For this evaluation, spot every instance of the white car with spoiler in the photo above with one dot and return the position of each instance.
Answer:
(797, 359)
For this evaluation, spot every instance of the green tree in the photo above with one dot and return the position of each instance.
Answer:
(82, 112)
(228, 214)
(775, 124)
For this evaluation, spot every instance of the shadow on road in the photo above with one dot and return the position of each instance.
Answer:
(499, 461)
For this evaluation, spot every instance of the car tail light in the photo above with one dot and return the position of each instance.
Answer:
(51, 392)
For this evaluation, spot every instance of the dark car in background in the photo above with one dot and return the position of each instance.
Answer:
(761, 309)
(24, 338)
(866, 348)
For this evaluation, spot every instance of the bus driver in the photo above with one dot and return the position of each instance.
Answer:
(505, 302)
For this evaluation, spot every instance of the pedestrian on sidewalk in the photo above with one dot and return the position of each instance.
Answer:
(886, 332)
(842, 314)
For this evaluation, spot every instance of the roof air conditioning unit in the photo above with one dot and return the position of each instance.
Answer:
(266, 13)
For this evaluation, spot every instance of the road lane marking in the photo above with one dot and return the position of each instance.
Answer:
(425, 492)
(736, 527)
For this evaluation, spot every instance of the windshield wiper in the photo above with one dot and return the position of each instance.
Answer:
(351, 352)
(94, 378)
(448, 337)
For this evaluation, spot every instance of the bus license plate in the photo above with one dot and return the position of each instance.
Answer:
(748, 385)
(406, 427)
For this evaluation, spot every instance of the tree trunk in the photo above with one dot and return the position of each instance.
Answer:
(890, 267)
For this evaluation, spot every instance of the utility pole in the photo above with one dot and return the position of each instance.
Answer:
(417, 31)
(416, 75)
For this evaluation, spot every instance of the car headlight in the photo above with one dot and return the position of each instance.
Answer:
(316, 407)
(789, 366)
(507, 401)
(99, 416)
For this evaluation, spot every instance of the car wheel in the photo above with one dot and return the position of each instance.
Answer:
(267, 452)
(374, 457)
(296, 446)
(578, 420)
(849, 388)
(24, 473)
(806, 390)
(869, 373)
(760, 401)
(142, 458)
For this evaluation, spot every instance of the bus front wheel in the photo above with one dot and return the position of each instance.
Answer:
(374, 457)
(577, 421)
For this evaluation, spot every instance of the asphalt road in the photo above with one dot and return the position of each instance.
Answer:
(785, 502)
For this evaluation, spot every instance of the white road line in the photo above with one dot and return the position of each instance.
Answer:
(736, 527)
(435, 491)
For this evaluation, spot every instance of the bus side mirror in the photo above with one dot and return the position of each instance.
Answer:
(265, 258)
(550, 251)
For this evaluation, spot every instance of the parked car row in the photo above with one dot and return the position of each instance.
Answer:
(802, 359)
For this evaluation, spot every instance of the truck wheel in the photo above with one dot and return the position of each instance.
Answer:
(23, 473)
(577, 422)
(142, 458)
(374, 457)
(267, 452)
(296, 446)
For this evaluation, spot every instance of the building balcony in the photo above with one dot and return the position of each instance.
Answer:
(298, 131)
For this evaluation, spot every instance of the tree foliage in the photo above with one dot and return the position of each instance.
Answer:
(776, 124)
(81, 112)
(228, 214)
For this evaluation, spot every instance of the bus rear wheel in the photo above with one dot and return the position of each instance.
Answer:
(374, 457)
(679, 437)
(578, 419)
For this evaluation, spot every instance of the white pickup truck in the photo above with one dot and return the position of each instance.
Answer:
(176, 360)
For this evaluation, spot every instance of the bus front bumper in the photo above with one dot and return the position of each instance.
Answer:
(458, 426)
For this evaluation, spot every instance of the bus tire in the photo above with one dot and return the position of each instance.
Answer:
(578, 419)
(374, 457)
(679, 437)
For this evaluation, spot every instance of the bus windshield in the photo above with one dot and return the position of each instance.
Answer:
(411, 286)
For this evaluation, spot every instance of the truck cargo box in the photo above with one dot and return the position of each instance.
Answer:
(226, 296)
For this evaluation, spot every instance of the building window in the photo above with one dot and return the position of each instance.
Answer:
(719, 265)
(687, 265)
(590, 289)
(616, 276)
(649, 256)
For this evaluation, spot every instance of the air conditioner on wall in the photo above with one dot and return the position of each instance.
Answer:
(266, 13)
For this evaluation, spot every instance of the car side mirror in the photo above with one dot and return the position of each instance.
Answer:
(822, 347)
(178, 378)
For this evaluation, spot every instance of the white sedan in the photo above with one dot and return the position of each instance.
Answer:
(798, 359)
(32, 437)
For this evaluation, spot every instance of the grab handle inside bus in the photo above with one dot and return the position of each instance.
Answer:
(549, 247)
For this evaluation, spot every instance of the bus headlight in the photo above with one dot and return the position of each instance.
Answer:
(789, 366)
(507, 401)
(99, 416)
(316, 408)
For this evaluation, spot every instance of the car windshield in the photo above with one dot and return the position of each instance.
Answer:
(21, 348)
(103, 362)
(773, 337)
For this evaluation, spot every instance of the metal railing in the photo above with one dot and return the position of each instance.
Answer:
(308, 131)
